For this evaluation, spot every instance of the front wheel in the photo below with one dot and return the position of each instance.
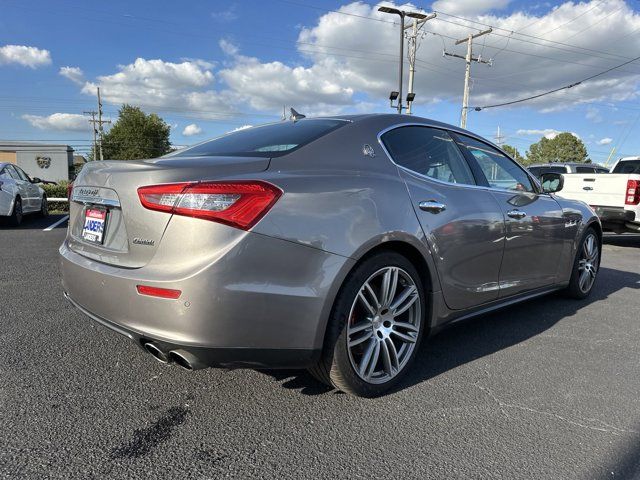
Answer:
(585, 266)
(375, 327)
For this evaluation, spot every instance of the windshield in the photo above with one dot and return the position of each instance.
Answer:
(271, 140)
(627, 166)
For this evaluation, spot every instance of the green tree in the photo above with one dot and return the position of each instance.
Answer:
(514, 153)
(564, 147)
(136, 135)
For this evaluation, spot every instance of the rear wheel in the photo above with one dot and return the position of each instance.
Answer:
(585, 266)
(375, 327)
(16, 216)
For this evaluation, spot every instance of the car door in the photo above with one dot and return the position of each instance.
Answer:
(462, 222)
(535, 226)
(7, 186)
(32, 190)
(21, 187)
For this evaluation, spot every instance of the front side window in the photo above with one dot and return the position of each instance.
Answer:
(429, 152)
(500, 170)
(271, 140)
(13, 173)
(21, 174)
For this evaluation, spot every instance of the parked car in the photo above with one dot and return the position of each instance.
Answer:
(539, 169)
(20, 194)
(335, 244)
(614, 197)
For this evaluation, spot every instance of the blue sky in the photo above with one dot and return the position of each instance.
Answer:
(213, 66)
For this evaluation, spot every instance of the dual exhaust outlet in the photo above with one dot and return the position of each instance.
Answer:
(174, 356)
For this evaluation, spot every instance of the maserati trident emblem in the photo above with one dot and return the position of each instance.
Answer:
(368, 150)
(43, 162)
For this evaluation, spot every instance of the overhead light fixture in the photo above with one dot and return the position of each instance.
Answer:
(394, 96)
(410, 97)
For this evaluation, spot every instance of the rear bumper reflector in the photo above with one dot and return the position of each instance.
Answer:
(158, 292)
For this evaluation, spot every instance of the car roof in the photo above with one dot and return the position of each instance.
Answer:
(566, 164)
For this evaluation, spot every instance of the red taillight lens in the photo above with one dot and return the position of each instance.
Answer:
(158, 292)
(239, 204)
(632, 196)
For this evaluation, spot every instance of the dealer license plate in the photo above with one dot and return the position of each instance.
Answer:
(95, 224)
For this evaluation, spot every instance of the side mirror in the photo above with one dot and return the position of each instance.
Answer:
(36, 180)
(552, 182)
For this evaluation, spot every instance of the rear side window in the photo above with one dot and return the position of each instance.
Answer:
(273, 140)
(585, 170)
(628, 166)
(12, 172)
(429, 152)
(4, 174)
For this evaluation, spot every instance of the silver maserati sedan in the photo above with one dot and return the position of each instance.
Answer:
(334, 244)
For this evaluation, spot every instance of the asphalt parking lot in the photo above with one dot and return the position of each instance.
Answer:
(547, 389)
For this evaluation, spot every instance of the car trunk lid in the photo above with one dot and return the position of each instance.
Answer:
(133, 233)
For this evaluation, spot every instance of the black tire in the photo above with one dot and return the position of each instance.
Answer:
(44, 207)
(16, 216)
(336, 366)
(576, 289)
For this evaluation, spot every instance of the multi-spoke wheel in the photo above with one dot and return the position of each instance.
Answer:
(383, 325)
(376, 326)
(586, 266)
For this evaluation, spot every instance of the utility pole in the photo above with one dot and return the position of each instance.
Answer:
(100, 123)
(93, 122)
(499, 137)
(412, 45)
(402, 14)
(467, 74)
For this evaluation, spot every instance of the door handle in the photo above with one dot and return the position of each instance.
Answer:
(432, 206)
(587, 188)
(516, 214)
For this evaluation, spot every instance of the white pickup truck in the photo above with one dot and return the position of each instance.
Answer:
(614, 196)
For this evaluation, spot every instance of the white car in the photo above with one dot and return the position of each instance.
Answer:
(20, 194)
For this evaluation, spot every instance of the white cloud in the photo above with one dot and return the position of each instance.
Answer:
(225, 16)
(549, 133)
(593, 114)
(228, 48)
(345, 67)
(184, 87)
(468, 7)
(26, 56)
(75, 74)
(604, 141)
(191, 129)
(59, 121)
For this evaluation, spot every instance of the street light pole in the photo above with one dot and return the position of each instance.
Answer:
(402, 14)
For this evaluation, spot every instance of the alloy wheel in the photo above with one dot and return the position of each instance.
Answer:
(588, 263)
(384, 325)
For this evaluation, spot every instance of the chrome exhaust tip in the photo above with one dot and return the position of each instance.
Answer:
(180, 359)
(156, 352)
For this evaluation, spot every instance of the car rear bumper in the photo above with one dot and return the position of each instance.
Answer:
(616, 217)
(194, 358)
(262, 304)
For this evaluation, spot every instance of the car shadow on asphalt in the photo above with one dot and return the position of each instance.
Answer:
(624, 240)
(33, 222)
(481, 336)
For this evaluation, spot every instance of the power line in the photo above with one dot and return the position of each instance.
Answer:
(557, 89)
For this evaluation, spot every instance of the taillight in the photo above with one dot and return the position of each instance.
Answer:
(239, 204)
(633, 192)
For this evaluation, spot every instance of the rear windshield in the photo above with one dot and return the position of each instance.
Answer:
(627, 166)
(273, 140)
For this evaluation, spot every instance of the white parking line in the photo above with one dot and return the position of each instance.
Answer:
(51, 227)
